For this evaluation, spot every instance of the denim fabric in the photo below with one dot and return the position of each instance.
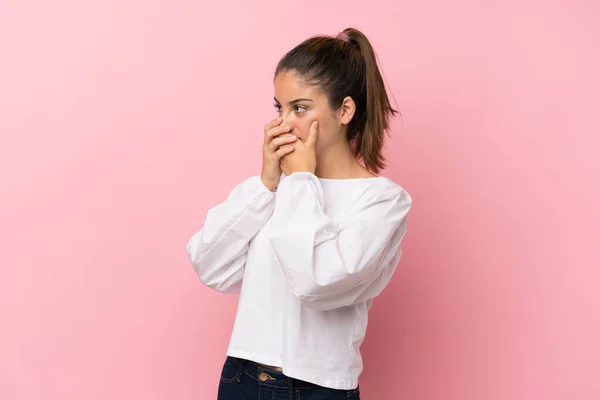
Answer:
(245, 380)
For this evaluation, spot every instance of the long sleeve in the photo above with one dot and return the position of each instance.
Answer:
(330, 265)
(218, 251)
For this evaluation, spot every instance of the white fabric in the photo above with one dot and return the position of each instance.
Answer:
(308, 260)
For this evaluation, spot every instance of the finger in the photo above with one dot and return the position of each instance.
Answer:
(313, 134)
(276, 122)
(281, 141)
(274, 132)
(283, 150)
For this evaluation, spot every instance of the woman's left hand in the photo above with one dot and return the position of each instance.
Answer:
(304, 157)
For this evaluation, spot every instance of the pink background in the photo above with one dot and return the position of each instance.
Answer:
(122, 122)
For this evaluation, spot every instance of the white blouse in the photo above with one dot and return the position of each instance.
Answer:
(307, 260)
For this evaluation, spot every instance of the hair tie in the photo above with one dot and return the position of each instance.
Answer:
(344, 37)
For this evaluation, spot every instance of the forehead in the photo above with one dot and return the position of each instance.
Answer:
(289, 86)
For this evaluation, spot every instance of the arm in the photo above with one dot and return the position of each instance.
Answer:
(335, 265)
(218, 250)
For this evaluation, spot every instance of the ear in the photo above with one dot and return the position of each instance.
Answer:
(347, 110)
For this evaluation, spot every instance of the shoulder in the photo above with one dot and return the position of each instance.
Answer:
(382, 189)
(377, 199)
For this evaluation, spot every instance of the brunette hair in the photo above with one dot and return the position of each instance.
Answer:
(343, 66)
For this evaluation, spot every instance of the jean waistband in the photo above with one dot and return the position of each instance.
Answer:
(271, 377)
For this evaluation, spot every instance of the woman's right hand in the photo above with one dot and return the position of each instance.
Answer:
(278, 142)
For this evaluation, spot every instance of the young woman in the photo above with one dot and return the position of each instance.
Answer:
(315, 237)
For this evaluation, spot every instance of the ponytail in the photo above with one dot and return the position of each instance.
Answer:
(369, 143)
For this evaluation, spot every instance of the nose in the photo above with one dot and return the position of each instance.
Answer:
(288, 119)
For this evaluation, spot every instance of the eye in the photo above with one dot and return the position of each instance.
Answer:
(277, 107)
(300, 109)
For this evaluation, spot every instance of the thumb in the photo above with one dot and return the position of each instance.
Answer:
(313, 134)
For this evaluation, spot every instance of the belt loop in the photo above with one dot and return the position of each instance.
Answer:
(290, 388)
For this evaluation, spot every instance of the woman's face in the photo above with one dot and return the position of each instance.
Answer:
(299, 105)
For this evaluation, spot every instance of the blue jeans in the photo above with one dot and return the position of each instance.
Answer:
(246, 380)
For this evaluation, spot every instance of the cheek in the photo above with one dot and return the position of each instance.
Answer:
(327, 126)
(302, 125)
(328, 132)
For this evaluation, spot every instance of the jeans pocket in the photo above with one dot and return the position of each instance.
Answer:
(232, 370)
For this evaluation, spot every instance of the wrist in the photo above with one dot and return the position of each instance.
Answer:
(269, 184)
(306, 169)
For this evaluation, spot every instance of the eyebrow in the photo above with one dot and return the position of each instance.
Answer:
(293, 101)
